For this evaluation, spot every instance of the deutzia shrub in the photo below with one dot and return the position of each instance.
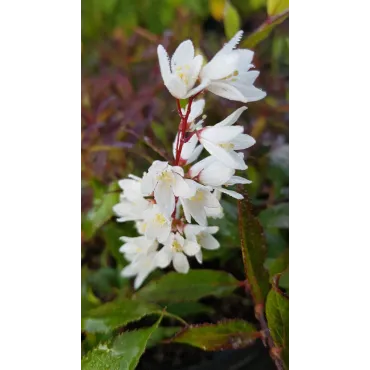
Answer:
(171, 206)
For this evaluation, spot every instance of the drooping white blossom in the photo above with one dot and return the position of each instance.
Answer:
(140, 252)
(195, 206)
(175, 250)
(181, 72)
(223, 139)
(228, 74)
(213, 173)
(203, 236)
(132, 203)
(166, 182)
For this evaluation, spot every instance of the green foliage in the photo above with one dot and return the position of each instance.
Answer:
(104, 200)
(115, 314)
(214, 337)
(174, 287)
(277, 312)
(253, 251)
(263, 31)
(276, 216)
(232, 20)
(184, 309)
(276, 6)
(123, 353)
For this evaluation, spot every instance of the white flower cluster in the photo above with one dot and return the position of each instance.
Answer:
(167, 199)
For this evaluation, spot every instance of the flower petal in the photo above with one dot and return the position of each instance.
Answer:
(221, 154)
(243, 141)
(184, 54)
(191, 248)
(226, 91)
(232, 118)
(164, 63)
(181, 188)
(176, 87)
(210, 242)
(148, 184)
(232, 193)
(220, 134)
(181, 263)
(238, 180)
(199, 257)
(230, 45)
(164, 197)
(163, 258)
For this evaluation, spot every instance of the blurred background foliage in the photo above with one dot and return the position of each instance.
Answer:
(127, 114)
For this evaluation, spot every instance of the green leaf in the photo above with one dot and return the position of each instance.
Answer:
(228, 334)
(162, 333)
(115, 314)
(279, 264)
(183, 309)
(101, 212)
(174, 287)
(231, 20)
(277, 313)
(276, 216)
(123, 353)
(254, 250)
(264, 30)
(276, 6)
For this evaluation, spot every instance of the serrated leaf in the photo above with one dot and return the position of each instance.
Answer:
(263, 31)
(115, 314)
(228, 334)
(123, 353)
(231, 20)
(174, 287)
(277, 313)
(101, 212)
(276, 6)
(161, 334)
(254, 250)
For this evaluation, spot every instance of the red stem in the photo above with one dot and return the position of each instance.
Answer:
(182, 129)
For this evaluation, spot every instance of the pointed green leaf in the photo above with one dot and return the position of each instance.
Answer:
(254, 251)
(231, 20)
(277, 313)
(123, 353)
(276, 6)
(115, 314)
(264, 30)
(174, 287)
(228, 334)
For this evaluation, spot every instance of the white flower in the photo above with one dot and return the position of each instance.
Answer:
(216, 212)
(196, 205)
(202, 236)
(180, 75)
(196, 110)
(157, 225)
(135, 247)
(211, 172)
(190, 151)
(141, 253)
(222, 139)
(175, 249)
(167, 182)
(228, 73)
(132, 203)
(141, 267)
